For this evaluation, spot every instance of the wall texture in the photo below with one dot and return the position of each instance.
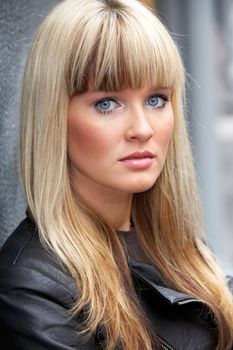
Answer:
(18, 21)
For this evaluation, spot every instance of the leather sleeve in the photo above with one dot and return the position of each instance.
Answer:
(34, 312)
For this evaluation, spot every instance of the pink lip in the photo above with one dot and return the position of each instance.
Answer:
(138, 160)
(139, 155)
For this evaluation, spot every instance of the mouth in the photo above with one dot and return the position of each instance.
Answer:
(138, 160)
(139, 155)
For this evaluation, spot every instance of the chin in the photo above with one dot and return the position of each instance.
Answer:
(141, 186)
(143, 189)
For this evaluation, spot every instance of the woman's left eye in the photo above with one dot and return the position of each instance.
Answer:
(157, 101)
(106, 105)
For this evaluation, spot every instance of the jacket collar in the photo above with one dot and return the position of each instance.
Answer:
(149, 275)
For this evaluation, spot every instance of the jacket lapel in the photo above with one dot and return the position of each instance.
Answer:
(149, 275)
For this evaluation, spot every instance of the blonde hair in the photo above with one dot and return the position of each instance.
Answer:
(117, 44)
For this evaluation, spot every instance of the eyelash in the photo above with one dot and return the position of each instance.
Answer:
(97, 103)
(113, 99)
(163, 97)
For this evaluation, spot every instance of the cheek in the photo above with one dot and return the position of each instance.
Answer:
(166, 131)
(85, 140)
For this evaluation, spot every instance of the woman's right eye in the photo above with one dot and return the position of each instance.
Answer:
(106, 105)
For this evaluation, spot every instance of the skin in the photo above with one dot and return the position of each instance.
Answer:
(136, 120)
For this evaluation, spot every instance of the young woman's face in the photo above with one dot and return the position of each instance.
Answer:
(118, 141)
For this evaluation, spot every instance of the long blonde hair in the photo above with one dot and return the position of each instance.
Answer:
(117, 44)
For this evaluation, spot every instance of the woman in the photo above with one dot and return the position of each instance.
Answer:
(111, 254)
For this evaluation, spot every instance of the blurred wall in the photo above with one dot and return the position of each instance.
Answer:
(197, 26)
(18, 21)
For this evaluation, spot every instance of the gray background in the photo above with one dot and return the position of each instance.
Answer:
(18, 22)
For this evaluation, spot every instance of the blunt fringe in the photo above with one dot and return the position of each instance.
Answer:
(113, 45)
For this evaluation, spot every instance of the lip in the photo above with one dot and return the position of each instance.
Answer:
(138, 160)
(139, 155)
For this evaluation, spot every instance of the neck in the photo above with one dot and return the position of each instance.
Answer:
(113, 206)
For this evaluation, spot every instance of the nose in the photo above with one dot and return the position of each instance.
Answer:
(139, 127)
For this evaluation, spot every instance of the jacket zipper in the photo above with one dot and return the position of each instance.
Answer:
(165, 345)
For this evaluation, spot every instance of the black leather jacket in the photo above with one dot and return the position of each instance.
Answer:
(36, 294)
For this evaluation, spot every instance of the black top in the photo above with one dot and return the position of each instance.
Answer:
(36, 294)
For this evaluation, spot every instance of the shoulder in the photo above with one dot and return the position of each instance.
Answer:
(22, 245)
(36, 296)
(25, 262)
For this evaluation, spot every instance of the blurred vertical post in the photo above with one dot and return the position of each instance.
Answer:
(205, 109)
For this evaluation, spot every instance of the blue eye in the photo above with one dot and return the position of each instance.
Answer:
(157, 101)
(106, 105)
